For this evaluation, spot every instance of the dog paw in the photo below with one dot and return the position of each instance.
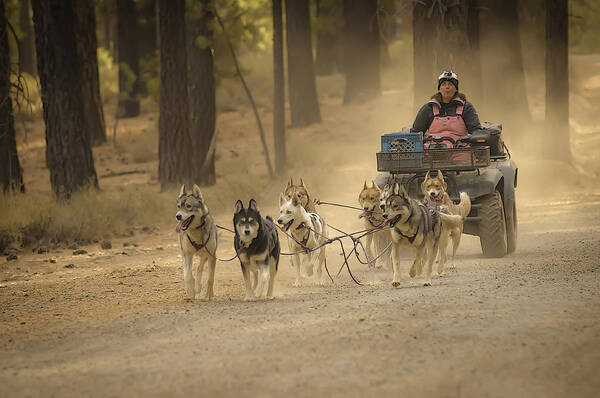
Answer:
(296, 284)
(427, 284)
(396, 284)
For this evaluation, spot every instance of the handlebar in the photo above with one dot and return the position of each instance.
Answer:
(465, 139)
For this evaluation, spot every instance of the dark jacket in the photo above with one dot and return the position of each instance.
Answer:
(425, 115)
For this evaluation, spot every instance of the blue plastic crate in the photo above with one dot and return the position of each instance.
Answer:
(402, 142)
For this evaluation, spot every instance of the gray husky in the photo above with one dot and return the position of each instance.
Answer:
(417, 225)
(256, 243)
(197, 235)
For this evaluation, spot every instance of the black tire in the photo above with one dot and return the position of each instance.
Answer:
(511, 229)
(492, 227)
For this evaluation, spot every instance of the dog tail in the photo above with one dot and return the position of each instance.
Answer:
(464, 207)
(451, 221)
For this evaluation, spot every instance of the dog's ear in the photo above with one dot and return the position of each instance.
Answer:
(303, 184)
(426, 176)
(396, 190)
(182, 192)
(403, 191)
(196, 192)
(291, 183)
(253, 206)
(239, 206)
(375, 186)
(281, 199)
(365, 185)
(441, 178)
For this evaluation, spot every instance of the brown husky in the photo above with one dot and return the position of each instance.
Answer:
(435, 195)
(300, 192)
(372, 216)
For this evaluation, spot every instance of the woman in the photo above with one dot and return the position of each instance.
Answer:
(448, 113)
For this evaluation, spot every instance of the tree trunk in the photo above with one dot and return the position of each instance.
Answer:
(11, 175)
(330, 21)
(361, 51)
(446, 38)
(423, 59)
(87, 46)
(304, 103)
(175, 146)
(503, 75)
(278, 90)
(147, 40)
(129, 69)
(68, 151)
(26, 44)
(475, 82)
(557, 79)
(201, 88)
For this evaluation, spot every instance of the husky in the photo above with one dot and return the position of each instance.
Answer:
(197, 235)
(436, 196)
(308, 230)
(422, 227)
(372, 215)
(301, 193)
(257, 246)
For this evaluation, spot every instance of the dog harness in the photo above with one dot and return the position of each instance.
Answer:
(447, 126)
(430, 217)
(305, 240)
(196, 245)
(431, 204)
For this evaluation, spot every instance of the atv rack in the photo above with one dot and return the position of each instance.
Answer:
(459, 159)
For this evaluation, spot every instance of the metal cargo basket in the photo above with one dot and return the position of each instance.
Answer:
(433, 159)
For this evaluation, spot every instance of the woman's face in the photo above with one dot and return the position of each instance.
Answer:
(447, 89)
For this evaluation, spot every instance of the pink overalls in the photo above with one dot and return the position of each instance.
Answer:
(447, 126)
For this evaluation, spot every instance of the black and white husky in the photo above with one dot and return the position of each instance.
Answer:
(257, 246)
(197, 235)
(308, 230)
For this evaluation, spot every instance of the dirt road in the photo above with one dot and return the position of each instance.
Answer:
(116, 323)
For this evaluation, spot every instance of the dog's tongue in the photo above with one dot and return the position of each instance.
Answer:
(178, 227)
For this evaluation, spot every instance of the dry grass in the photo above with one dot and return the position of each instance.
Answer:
(28, 219)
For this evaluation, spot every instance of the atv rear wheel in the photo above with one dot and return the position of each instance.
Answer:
(492, 227)
(511, 229)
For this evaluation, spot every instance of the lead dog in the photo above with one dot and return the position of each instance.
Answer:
(421, 227)
(197, 235)
(435, 195)
(256, 243)
(307, 230)
(372, 215)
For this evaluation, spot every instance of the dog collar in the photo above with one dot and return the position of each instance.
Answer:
(202, 223)
(370, 219)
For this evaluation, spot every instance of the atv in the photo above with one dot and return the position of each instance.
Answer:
(478, 164)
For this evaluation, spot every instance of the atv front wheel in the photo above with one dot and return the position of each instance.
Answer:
(492, 227)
